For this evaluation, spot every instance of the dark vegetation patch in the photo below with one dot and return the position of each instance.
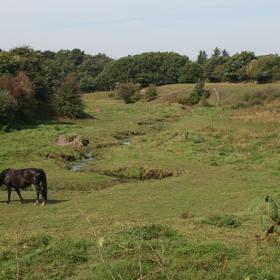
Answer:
(63, 160)
(149, 232)
(87, 186)
(186, 215)
(141, 173)
(158, 173)
(126, 134)
(230, 221)
(75, 157)
(164, 118)
(258, 98)
(106, 145)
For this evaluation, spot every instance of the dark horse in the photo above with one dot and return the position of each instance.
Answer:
(22, 178)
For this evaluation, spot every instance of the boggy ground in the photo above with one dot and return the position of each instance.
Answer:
(108, 221)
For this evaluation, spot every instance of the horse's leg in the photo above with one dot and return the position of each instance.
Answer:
(37, 195)
(42, 195)
(9, 194)
(18, 193)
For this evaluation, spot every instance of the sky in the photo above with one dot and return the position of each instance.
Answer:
(126, 27)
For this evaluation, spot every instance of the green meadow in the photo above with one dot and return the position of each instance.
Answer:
(172, 191)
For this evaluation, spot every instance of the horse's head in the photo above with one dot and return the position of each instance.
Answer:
(2, 176)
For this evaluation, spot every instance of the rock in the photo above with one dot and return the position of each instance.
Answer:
(76, 140)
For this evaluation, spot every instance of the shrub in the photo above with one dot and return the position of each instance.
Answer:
(8, 107)
(151, 93)
(197, 93)
(223, 221)
(152, 231)
(68, 99)
(270, 220)
(21, 89)
(128, 92)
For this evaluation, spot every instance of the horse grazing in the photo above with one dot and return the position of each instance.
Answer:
(22, 178)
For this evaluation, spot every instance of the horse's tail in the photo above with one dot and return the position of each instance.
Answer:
(44, 185)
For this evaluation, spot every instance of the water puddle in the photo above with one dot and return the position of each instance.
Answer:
(125, 142)
(78, 165)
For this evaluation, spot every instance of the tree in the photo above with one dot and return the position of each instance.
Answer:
(148, 68)
(235, 69)
(216, 52)
(191, 72)
(151, 93)
(128, 92)
(262, 69)
(68, 99)
(225, 53)
(8, 108)
(202, 57)
(214, 68)
(198, 92)
(21, 90)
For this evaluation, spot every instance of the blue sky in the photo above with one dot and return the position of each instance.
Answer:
(122, 27)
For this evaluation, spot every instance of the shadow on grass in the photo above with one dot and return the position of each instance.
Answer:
(32, 201)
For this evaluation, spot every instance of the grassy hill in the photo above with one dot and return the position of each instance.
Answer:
(172, 192)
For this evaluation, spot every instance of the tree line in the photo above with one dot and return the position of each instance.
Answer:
(45, 84)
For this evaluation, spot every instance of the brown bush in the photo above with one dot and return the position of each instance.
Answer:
(21, 89)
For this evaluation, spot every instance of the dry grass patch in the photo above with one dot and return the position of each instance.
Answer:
(258, 115)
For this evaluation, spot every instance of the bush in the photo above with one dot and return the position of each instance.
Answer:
(151, 93)
(223, 221)
(68, 99)
(150, 232)
(197, 93)
(128, 92)
(8, 107)
(21, 90)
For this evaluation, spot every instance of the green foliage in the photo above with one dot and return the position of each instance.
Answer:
(147, 68)
(270, 219)
(197, 93)
(87, 84)
(150, 232)
(128, 92)
(216, 52)
(223, 221)
(68, 100)
(263, 69)
(191, 72)
(201, 57)
(22, 73)
(151, 93)
(235, 69)
(214, 68)
(8, 108)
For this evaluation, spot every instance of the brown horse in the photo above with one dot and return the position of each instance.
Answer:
(22, 178)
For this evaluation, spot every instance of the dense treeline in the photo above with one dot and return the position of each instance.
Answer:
(158, 68)
(168, 68)
(40, 84)
(37, 85)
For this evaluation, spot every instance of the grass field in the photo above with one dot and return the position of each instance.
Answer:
(103, 222)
